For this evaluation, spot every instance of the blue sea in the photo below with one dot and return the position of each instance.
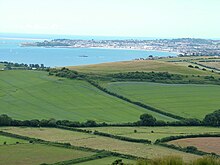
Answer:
(11, 51)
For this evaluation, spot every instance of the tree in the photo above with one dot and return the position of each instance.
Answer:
(5, 120)
(212, 119)
(147, 119)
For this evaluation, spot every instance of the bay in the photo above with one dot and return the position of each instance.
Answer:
(11, 51)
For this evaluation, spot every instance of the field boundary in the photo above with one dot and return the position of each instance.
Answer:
(122, 138)
(145, 106)
(69, 146)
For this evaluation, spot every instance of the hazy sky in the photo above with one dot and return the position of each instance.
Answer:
(140, 18)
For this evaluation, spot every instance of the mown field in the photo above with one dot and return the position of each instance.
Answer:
(98, 142)
(207, 144)
(132, 66)
(107, 161)
(154, 133)
(34, 154)
(186, 100)
(35, 95)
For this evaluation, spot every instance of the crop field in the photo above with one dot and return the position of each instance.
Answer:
(98, 142)
(186, 100)
(31, 154)
(107, 161)
(207, 144)
(132, 66)
(35, 95)
(154, 133)
(9, 140)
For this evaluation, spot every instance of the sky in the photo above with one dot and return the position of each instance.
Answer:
(134, 18)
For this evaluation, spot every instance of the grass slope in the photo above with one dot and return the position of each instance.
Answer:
(188, 100)
(98, 142)
(132, 66)
(33, 94)
(33, 154)
(158, 132)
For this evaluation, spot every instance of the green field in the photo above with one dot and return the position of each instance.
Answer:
(186, 100)
(31, 154)
(35, 95)
(10, 140)
(132, 66)
(107, 161)
(158, 132)
(97, 142)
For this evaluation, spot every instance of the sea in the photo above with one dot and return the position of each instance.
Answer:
(11, 51)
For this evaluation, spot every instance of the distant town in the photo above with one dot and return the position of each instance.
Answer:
(182, 46)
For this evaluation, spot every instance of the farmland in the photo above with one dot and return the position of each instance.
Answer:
(28, 94)
(32, 154)
(207, 144)
(186, 100)
(35, 95)
(154, 133)
(9, 140)
(98, 142)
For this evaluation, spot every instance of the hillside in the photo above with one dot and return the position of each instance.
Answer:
(35, 95)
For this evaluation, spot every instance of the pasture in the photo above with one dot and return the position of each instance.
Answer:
(35, 95)
(186, 100)
(33, 154)
(154, 133)
(9, 140)
(98, 142)
(207, 144)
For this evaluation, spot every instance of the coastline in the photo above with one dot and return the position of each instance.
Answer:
(147, 50)
(106, 48)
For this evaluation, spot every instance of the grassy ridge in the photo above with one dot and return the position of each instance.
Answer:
(33, 94)
(131, 66)
(187, 100)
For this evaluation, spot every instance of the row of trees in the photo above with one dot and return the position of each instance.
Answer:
(212, 119)
(10, 66)
(65, 72)
(150, 76)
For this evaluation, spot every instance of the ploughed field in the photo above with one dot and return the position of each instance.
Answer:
(98, 142)
(186, 100)
(35, 95)
(154, 133)
(207, 144)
